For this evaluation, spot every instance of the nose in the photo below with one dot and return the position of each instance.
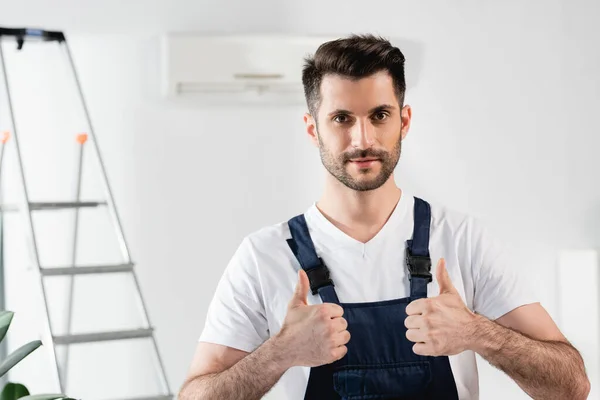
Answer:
(363, 135)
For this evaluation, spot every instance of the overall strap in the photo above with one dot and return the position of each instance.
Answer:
(417, 250)
(303, 248)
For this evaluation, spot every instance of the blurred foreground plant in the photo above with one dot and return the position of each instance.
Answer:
(14, 391)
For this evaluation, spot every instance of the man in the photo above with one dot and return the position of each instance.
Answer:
(344, 301)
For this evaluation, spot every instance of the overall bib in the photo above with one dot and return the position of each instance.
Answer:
(380, 363)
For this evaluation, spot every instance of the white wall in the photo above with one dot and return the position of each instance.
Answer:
(504, 128)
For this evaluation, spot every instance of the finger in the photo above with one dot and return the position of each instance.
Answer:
(342, 338)
(415, 335)
(414, 322)
(301, 291)
(422, 349)
(333, 310)
(417, 307)
(340, 324)
(339, 352)
(444, 281)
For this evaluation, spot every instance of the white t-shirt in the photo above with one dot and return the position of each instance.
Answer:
(251, 299)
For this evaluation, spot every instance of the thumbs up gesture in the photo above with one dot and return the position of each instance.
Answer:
(313, 335)
(441, 325)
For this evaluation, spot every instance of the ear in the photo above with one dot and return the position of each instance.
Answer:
(405, 118)
(311, 129)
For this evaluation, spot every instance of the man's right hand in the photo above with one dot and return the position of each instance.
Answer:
(313, 335)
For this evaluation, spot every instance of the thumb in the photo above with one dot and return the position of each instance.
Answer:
(443, 278)
(301, 291)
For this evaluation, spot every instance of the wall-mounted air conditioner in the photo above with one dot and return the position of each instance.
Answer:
(254, 67)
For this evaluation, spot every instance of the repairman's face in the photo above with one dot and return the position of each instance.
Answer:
(359, 129)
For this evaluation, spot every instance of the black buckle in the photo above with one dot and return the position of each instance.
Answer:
(319, 277)
(418, 266)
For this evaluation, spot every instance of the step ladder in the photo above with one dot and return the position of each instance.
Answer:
(27, 207)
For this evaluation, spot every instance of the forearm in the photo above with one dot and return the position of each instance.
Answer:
(543, 369)
(250, 378)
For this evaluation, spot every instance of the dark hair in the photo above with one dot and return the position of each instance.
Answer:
(357, 56)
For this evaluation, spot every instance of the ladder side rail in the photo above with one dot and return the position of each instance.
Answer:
(31, 230)
(161, 371)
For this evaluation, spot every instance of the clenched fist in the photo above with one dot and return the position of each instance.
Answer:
(314, 335)
(442, 325)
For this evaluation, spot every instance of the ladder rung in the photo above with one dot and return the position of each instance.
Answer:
(58, 205)
(85, 270)
(103, 336)
(55, 205)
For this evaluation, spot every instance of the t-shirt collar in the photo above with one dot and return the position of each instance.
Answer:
(331, 236)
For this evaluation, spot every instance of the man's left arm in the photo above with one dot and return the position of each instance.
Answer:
(525, 343)
(528, 346)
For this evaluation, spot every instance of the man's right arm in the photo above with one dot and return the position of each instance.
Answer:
(310, 336)
(221, 372)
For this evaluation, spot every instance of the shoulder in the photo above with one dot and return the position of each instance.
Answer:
(267, 245)
(265, 264)
(451, 221)
(257, 262)
(468, 233)
(268, 237)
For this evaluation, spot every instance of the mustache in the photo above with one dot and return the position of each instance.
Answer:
(371, 153)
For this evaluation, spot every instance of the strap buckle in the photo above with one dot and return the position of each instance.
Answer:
(319, 277)
(418, 266)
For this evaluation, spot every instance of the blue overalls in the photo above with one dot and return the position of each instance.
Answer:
(380, 363)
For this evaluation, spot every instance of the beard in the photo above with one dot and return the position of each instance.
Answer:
(337, 166)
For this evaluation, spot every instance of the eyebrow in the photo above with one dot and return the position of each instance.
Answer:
(382, 107)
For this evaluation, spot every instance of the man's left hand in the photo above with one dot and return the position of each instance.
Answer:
(442, 325)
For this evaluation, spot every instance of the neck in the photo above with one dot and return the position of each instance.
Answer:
(358, 214)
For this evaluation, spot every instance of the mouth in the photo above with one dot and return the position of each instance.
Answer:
(364, 162)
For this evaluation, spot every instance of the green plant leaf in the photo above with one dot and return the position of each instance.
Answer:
(18, 355)
(5, 320)
(13, 391)
(44, 397)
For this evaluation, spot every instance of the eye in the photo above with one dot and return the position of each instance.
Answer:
(380, 116)
(341, 118)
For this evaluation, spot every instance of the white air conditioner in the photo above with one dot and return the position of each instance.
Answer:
(245, 67)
